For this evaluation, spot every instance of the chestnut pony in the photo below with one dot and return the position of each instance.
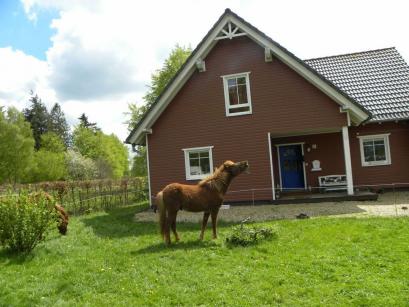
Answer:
(62, 215)
(62, 219)
(206, 196)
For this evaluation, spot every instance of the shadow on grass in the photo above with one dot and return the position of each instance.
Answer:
(175, 246)
(184, 245)
(9, 257)
(120, 223)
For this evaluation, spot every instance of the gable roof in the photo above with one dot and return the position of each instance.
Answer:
(357, 112)
(377, 79)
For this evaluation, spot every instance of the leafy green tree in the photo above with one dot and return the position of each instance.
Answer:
(42, 121)
(115, 153)
(48, 166)
(49, 162)
(110, 155)
(38, 117)
(79, 167)
(159, 80)
(139, 163)
(52, 142)
(16, 146)
(136, 112)
(86, 142)
(58, 124)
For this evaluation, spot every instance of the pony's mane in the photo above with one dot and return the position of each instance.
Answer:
(217, 180)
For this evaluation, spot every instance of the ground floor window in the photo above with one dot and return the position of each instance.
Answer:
(375, 150)
(198, 162)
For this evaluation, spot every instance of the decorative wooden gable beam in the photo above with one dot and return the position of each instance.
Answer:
(201, 65)
(230, 31)
(268, 55)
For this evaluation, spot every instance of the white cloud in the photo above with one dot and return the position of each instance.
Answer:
(104, 51)
(20, 73)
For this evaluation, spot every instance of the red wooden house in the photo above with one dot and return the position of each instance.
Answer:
(338, 121)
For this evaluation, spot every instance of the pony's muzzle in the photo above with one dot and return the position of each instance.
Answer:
(247, 166)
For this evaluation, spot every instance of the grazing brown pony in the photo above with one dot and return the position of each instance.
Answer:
(62, 219)
(62, 214)
(205, 196)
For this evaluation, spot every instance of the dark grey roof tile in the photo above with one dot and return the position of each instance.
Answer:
(376, 79)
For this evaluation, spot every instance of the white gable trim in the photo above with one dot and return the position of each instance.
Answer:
(137, 136)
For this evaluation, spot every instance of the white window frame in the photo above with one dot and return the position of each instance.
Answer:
(385, 138)
(226, 94)
(187, 161)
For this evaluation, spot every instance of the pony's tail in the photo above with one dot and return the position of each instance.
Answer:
(162, 213)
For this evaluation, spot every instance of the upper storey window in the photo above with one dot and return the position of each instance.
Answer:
(237, 94)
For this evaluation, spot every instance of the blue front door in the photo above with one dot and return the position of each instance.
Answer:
(291, 166)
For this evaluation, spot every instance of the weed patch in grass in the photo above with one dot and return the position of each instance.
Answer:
(244, 235)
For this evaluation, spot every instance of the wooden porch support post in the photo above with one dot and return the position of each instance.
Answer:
(273, 189)
(347, 156)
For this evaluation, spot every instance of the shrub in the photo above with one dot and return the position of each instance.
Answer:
(25, 220)
(248, 235)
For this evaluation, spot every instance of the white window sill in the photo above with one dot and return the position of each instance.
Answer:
(376, 164)
(316, 169)
(238, 114)
(200, 177)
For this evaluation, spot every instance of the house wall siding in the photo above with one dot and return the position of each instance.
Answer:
(282, 101)
(398, 171)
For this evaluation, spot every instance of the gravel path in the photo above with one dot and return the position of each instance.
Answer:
(388, 204)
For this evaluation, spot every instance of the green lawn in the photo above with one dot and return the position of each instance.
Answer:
(109, 260)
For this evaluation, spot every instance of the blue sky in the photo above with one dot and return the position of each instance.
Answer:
(16, 30)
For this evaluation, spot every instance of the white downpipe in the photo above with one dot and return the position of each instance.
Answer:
(271, 166)
(347, 156)
(147, 168)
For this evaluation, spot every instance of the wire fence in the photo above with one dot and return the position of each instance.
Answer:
(80, 197)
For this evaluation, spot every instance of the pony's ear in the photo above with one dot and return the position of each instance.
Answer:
(215, 169)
